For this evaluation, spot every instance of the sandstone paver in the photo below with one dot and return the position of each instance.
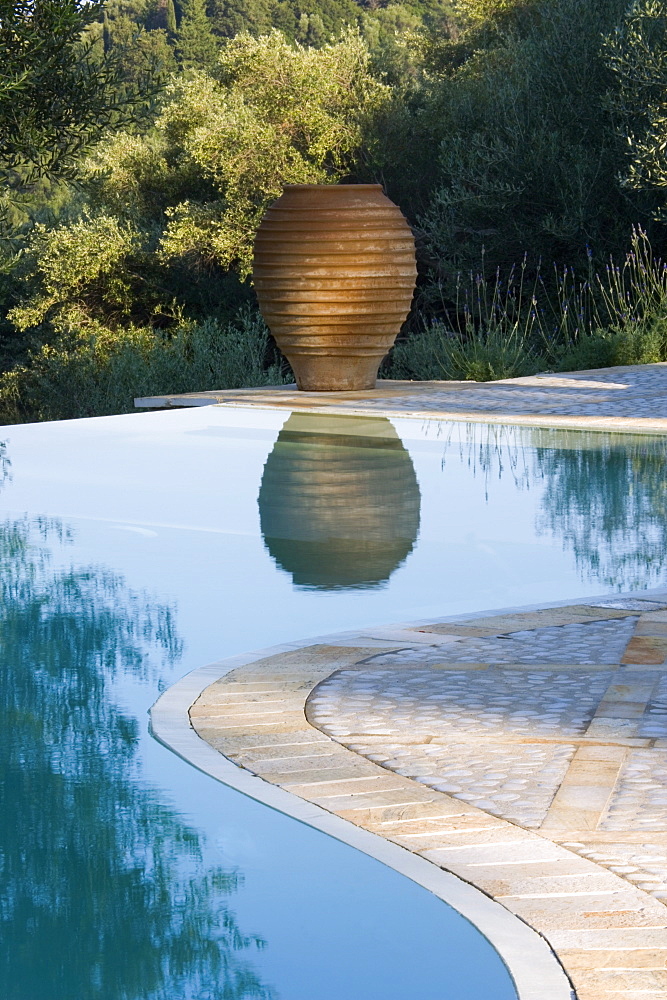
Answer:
(629, 398)
(538, 774)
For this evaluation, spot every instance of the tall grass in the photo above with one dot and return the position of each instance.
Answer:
(503, 328)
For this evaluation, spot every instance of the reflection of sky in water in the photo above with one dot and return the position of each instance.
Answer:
(169, 501)
(114, 889)
(90, 855)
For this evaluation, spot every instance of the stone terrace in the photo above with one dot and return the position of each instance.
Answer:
(632, 398)
(526, 752)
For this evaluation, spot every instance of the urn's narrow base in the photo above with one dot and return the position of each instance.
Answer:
(335, 374)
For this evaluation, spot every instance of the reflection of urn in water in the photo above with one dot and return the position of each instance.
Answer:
(339, 501)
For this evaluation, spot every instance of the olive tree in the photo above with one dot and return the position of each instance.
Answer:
(637, 55)
(172, 213)
(275, 112)
(56, 94)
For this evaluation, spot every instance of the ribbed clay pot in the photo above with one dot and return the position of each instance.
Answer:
(335, 273)
(339, 501)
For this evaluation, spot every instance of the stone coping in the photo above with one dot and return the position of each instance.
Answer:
(533, 967)
(551, 886)
(632, 398)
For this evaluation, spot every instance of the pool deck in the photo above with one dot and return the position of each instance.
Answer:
(523, 751)
(631, 399)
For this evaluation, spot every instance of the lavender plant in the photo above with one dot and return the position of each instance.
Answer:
(518, 325)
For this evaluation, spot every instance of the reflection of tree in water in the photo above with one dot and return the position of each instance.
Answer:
(605, 495)
(5, 464)
(489, 450)
(102, 895)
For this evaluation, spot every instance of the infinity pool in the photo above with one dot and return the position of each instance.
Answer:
(137, 548)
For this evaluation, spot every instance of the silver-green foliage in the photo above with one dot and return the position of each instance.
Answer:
(637, 54)
(110, 291)
(58, 93)
(85, 261)
(191, 194)
(92, 371)
(275, 113)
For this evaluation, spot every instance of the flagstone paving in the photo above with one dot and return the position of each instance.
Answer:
(628, 398)
(526, 752)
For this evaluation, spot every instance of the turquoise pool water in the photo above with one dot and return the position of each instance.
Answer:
(138, 548)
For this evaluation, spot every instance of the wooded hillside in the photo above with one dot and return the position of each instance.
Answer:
(525, 143)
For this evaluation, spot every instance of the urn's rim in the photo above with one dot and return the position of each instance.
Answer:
(332, 187)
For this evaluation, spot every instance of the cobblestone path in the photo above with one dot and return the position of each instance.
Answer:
(560, 728)
(525, 752)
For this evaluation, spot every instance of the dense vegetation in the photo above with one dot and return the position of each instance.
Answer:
(525, 140)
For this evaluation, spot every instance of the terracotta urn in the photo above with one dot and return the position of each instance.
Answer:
(335, 272)
(339, 501)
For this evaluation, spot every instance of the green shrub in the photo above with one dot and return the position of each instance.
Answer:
(84, 260)
(165, 221)
(635, 53)
(96, 371)
(439, 353)
(639, 344)
(528, 156)
(275, 113)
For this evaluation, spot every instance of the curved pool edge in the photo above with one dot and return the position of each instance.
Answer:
(532, 964)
